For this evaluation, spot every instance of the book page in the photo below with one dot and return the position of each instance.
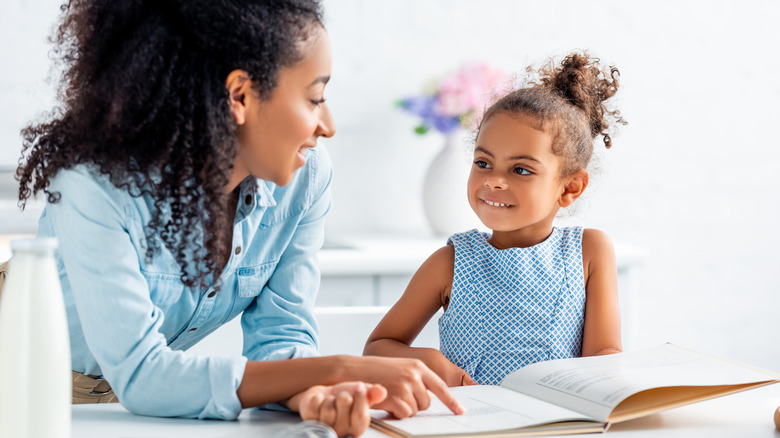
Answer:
(488, 408)
(595, 385)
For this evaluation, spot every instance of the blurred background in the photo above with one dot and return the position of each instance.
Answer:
(691, 183)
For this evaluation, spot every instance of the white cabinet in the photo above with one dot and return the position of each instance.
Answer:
(374, 289)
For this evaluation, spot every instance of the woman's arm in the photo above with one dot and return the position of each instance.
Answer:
(395, 333)
(601, 334)
(407, 381)
(279, 323)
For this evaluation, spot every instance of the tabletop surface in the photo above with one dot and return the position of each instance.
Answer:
(744, 415)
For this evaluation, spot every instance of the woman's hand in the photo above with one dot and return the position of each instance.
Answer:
(343, 406)
(452, 374)
(407, 382)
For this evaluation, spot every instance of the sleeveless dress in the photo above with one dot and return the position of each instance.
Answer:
(513, 307)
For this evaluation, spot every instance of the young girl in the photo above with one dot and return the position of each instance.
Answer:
(529, 291)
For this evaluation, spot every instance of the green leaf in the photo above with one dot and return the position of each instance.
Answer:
(422, 129)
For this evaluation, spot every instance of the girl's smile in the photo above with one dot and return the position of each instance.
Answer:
(495, 203)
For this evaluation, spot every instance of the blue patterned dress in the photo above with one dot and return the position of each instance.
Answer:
(513, 307)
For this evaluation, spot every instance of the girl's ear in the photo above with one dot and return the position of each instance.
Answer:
(238, 86)
(573, 187)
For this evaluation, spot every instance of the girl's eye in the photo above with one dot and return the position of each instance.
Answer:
(481, 164)
(522, 171)
(318, 101)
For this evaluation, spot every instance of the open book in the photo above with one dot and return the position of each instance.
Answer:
(581, 395)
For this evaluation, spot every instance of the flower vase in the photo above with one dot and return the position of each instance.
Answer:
(444, 191)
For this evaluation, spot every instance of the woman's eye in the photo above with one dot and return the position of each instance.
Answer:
(318, 101)
(481, 164)
(521, 171)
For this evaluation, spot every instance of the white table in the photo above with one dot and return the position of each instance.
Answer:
(744, 415)
(113, 421)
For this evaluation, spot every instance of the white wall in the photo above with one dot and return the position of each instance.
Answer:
(691, 178)
(25, 92)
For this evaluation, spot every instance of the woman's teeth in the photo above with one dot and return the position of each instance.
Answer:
(496, 204)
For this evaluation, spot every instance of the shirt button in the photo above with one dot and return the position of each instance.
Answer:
(211, 295)
(248, 199)
(238, 250)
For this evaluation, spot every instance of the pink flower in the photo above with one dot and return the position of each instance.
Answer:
(467, 92)
(460, 99)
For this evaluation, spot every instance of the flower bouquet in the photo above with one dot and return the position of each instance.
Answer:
(458, 99)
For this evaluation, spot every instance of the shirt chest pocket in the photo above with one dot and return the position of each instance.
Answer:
(252, 280)
(164, 289)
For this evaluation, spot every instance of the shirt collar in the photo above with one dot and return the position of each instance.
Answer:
(264, 196)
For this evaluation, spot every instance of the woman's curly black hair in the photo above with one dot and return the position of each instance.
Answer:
(143, 98)
(570, 100)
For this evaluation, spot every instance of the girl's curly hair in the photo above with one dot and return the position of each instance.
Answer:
(143, 99)
(570, 100)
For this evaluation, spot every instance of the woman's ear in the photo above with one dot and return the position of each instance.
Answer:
(238, 86)
(573, 187)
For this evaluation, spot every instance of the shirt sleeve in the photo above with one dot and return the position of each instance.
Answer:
(119, 320)
(280, 323)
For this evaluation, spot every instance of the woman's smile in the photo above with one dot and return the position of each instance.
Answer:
(302, 154)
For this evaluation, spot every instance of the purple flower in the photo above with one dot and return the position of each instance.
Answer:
(425, 108)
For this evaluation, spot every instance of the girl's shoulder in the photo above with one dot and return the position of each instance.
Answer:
(588, 238)
(595, 238)
(443, 259)
(437, 270)
(596, 247)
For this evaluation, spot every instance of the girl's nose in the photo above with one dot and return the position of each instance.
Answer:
(327, 126)
(495, 182)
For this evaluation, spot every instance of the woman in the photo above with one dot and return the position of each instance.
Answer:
(184, 186)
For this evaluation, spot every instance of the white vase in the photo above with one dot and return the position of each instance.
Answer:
(445, 198)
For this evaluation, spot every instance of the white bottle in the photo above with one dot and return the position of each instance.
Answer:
(35, 376)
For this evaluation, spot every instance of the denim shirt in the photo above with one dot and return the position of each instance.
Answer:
(132, 320)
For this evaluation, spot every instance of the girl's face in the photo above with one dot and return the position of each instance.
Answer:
(514, 186)
(277, 132)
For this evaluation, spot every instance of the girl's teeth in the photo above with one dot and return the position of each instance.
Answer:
(496, 204)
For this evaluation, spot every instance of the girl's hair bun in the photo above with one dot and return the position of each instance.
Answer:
(581, 81)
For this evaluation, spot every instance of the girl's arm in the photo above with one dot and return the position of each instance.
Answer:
(395, 333)
(601, 334)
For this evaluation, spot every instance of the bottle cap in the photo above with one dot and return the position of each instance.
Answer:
(39, 245)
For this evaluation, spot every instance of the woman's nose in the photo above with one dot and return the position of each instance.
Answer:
(327, 126)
